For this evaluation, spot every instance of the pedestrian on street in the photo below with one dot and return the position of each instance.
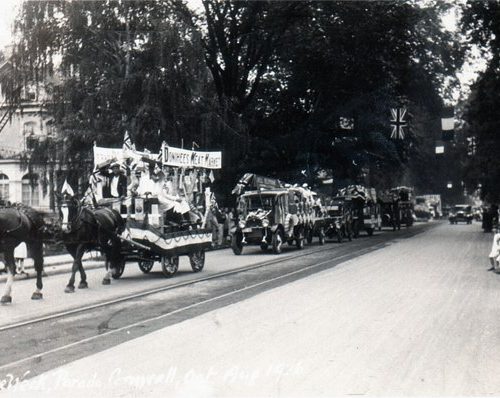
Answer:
(20, 254)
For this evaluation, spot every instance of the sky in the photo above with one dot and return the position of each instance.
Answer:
(8, 12)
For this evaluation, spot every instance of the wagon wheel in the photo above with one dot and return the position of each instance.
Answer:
(322, 237)
(146, 265)
(197, 260)
(277, 242)
(169, 265)
(237, 243)
(117, 268)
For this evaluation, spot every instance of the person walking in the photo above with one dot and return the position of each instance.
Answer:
(20, 254)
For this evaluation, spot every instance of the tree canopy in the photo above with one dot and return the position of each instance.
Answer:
(265, 81)
(481, 23)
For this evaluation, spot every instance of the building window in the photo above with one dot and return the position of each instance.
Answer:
(31, 191)
(4, 188)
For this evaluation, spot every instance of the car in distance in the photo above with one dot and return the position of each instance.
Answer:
(461, 213)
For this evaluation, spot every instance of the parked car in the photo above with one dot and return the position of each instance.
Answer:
(461, 213)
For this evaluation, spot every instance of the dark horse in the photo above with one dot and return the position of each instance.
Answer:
(85, 229)
(22, 224)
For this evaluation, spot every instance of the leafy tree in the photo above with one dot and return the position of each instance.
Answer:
(356, 59)
(113, 66)
(481, 23)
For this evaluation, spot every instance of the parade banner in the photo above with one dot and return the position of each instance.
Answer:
(186, 158)
(102, 154)
(170, 156)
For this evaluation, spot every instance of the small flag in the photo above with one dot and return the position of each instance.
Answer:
(66, 189)
(211, 176)
(439, 147)
(471, 146)
(346, 123)
(127, 142)
(398, 123)
(448, 124)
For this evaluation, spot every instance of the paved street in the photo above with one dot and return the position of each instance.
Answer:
(418, 317)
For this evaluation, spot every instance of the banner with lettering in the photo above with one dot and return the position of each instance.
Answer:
(196, 159)
(102, 154)
(170, 156)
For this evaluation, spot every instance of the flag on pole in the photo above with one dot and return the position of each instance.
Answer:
(439, 150)
(127, 142)
(398, 123)
(448, 124)
(439, 147)
(66, 189)
(346, 123)
(471, 146)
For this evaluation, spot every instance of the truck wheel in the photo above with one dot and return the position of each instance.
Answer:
(322, 237)
(309, 234)
(299, 243)
(237, 243)
(277, 242)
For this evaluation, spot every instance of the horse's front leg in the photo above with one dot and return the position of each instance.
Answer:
(10, 264)
(83, 276)
(77, 258)
(107, 277)
(37, 251)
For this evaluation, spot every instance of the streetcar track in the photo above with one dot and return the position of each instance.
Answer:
(150, 292)
(162, 289)
(108, 332)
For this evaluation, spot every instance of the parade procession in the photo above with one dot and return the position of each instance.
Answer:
(261, 198)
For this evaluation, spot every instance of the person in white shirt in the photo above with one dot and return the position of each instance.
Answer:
(20, 254)
(117, 183)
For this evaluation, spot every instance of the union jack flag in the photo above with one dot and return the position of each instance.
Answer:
(127, 142)
(398, 123)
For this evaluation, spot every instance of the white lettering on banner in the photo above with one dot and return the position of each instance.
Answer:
(186, 158)
(171, 157)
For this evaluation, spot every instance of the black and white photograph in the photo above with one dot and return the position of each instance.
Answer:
(249, 198)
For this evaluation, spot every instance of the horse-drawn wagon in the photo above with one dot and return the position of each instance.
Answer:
(147, 243)
(157, 220)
